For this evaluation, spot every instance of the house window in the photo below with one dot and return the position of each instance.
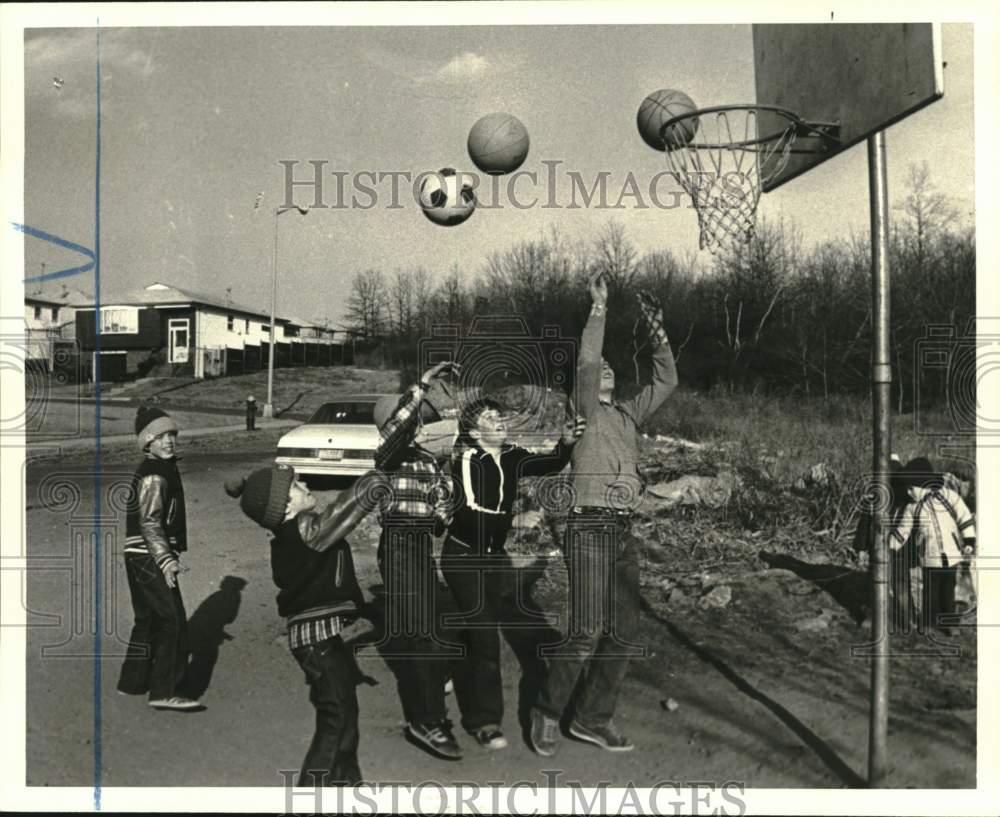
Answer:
(38, 313)
(230, 323)
(120, 320)
(246, 327)
(55, 313)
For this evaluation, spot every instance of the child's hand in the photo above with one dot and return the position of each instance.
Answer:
(598, 290)
(170, 571)
(573, 430)
(442, 368)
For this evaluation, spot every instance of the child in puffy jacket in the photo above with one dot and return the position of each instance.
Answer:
(944, 537)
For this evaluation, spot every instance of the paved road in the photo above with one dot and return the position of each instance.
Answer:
(757, 703)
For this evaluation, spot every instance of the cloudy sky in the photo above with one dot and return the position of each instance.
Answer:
(196, 120)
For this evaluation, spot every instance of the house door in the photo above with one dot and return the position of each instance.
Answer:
(179, 329)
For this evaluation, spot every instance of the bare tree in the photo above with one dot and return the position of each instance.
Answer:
(366, 305)
(925, 210)
(616, 257)
(401, 306)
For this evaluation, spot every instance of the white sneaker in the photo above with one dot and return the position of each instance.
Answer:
(176, 702)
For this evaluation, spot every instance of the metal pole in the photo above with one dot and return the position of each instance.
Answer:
(269, 404)
(881, 428)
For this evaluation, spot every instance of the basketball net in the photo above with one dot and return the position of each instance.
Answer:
(724, 169)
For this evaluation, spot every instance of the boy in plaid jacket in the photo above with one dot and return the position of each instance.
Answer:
(412, 513)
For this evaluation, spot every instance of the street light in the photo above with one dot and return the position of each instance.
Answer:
(269, 405)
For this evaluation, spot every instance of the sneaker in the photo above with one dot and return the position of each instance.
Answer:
(176, 702)
(489, 737)
(607, 737)
(436, 737)
(544, 733)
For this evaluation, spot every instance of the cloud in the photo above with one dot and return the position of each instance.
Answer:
(468, 65)
(71, 55)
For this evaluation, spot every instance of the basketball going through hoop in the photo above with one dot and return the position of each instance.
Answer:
(733, 160)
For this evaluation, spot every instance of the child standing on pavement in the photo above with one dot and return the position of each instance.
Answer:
(602, 552)
(155, 537)
(477, 568)
(317, 591)
(412, 513)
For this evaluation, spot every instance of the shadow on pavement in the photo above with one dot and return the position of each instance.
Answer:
(207, 632)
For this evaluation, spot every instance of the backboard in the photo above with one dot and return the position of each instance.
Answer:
(864, 77)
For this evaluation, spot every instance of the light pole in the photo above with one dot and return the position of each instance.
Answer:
(269, 405)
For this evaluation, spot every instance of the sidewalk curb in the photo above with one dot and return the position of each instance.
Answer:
(114, 439)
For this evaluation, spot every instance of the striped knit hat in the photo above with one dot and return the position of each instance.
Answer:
(150, 423)
(264, 494)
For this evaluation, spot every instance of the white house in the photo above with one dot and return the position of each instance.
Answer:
(166, 330)
(50, 317)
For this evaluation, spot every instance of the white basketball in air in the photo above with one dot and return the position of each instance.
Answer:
(447, 197)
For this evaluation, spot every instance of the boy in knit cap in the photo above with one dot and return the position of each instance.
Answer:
(317, 592)
(155, 536)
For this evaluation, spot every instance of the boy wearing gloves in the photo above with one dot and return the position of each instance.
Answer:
(602, 552)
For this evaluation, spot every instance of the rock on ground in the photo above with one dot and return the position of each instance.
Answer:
(718, 597)
(711, 492)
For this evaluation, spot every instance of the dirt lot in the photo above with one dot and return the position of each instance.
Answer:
(766, 688)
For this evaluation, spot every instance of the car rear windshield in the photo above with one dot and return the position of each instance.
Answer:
(344, 414)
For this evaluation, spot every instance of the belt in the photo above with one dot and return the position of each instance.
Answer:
(597, 510)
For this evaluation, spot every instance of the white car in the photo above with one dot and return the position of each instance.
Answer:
(340, 439)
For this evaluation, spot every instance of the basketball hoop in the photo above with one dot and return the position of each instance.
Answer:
(725, 169)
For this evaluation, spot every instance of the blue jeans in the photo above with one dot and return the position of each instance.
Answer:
(332, 675)
(602, 556)
(156, 661)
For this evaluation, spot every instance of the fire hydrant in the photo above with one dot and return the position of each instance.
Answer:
(251, 413)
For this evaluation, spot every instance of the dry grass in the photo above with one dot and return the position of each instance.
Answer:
(300, 391)
(774, 442)
(771, 444)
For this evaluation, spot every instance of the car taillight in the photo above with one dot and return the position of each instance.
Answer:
(296, 452)
(359, 454)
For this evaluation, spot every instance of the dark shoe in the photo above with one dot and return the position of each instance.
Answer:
(544, 733)
(489, 737)
(177, 703)
(607, 737)
(435, 737)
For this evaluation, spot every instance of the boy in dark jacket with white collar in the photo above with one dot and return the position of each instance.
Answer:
(476, 565)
